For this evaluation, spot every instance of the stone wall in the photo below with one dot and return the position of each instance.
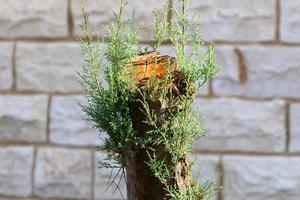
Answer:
(251, 110)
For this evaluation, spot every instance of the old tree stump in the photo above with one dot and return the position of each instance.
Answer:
(142, 184)
(146, 110)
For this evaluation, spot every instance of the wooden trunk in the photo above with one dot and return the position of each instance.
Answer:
(141, 182)
(143, 185)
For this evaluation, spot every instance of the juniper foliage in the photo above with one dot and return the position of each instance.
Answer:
(107, 106)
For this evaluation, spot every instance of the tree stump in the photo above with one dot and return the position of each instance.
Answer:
(141, 182)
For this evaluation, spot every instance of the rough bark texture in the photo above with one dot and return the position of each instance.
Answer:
(141, 182)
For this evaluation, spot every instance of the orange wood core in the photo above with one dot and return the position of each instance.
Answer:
(153, 65)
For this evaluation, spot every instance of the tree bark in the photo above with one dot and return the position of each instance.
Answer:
(141, 182)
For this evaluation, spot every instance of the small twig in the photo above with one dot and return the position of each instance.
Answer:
(113, 181)
(203, 82)
(119, 181)
(110, 176)
(85, 23)
(123, 198)
(182, 23)
(121, 9)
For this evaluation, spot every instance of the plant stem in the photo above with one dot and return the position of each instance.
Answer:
(183, 25)
(121, 9)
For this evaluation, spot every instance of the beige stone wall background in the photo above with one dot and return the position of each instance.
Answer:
(252, 109)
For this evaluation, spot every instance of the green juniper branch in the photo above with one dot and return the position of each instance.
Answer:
(108, 108)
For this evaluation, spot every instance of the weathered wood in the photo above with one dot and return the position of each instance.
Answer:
(141, 182)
